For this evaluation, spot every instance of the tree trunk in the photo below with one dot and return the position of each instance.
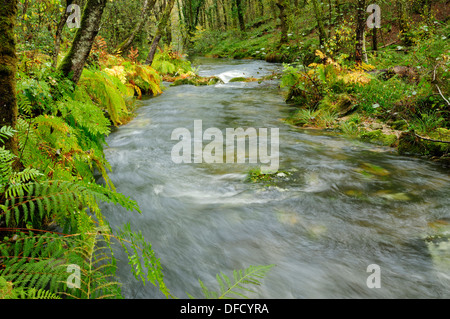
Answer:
(148, 5)
(374, 40)
(59, 31)
(224, 10)
(317, 13)
(161, 26)
(360, 26)
(281, 4)
(240, 15)
(73, 63)
(8, 69)
(154, 46)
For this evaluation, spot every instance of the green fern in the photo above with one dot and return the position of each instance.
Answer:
(24, 104)
(145, 265)
(229, 288)
(6, 132)
(40, 294)
(56, 199)
(106, 91)
(8, 291)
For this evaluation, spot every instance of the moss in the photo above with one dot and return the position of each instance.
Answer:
(276, 57)
(410, 144)
(196, 80)
(239, 79)
(377, 137)
(341, 104)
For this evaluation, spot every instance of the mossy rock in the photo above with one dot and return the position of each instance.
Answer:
(377, 137)
(411, 144)
(238, 79)
(276, 57)
(443, 133)
(196, 81)
(341, 104)
(374, 169)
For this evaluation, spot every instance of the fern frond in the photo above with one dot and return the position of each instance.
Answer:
(142, 258)
(6, 132)
(57, 198)
(250, 276)
(24, 104)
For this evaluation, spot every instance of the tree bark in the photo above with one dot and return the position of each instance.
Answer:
(224, 10)
(360, 26)
(374, 39)
(73, 63)
(281, 4)
(8, 69)
(317, 13)
(240, 15)
(148, 5)
(59, 30)
(161, 26)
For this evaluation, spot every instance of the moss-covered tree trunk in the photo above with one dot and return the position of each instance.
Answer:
(240, 14)
(148, 5)
(73, 63)
(161, 26)
(319, 18)
(8, 66)
(224, 11)
(282, 4)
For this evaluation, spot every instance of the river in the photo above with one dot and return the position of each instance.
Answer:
(340, 205)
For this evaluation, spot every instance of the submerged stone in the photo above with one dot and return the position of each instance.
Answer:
(396, 196)
(374, 169)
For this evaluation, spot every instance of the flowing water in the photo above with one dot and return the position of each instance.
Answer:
(339, 206)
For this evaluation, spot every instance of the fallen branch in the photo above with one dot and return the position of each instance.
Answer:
(448, 103)
(390, 43)
(431, 140)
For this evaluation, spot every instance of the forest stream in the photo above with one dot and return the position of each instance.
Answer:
(337, 206)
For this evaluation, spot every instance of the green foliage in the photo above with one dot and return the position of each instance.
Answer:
(106, 91)
(168, 62)
(44, 261)
(428, 122)
(145, 265)
(380, 95)
(8, 291)
(238, 286)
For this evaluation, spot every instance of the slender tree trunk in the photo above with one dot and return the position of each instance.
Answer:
(154, 46)
(218, 20)
(317, 13)
(360, 26)
(161, 26)
(8, 69)
(59, 31)
(148, 5)
(73, 63)
(366, 60)
(374, 39)
(330, 17)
